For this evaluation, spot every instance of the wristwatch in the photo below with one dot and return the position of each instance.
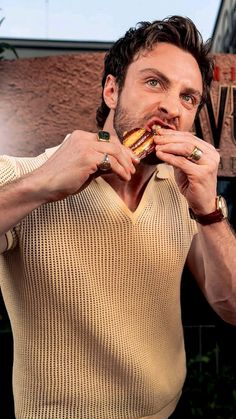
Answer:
(219, 214)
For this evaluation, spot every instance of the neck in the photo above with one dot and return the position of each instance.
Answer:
(131, 192)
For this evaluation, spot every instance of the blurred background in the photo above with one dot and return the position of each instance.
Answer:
(51, 58)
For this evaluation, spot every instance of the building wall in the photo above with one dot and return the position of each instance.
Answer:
(45, 98)
(224, 35)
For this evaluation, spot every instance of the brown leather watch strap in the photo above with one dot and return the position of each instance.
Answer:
(213, 217)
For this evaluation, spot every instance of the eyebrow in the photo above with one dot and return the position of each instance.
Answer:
(157, 73)
(167, 82)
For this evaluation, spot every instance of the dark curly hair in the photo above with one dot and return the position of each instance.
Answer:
(176, 30)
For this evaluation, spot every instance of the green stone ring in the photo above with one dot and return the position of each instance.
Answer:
(103, 136)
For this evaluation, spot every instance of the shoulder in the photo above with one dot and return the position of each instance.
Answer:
(11, 168)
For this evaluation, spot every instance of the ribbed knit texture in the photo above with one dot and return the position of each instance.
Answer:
(93, 295)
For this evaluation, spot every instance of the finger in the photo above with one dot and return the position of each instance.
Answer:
(116, 166)
(165, 136)
(115, 140)
(184, 150)
(119, 152)
(135, 159)
(179, 162)
(187, 166)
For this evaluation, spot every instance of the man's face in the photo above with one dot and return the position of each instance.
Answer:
(162, 86)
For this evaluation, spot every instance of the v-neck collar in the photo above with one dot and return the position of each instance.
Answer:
(162, 172)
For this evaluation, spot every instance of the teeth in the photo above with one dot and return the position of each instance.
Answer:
(156, 128)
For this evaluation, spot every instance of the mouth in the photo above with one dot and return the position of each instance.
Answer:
(156, 123)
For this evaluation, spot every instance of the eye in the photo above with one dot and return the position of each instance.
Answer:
(188, 98)
(153, 83)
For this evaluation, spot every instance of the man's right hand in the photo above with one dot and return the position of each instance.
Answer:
(69, 170)
(76, 163)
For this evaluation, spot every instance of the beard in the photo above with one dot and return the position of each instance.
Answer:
(124, 121)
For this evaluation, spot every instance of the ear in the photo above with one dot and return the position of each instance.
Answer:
(110, 92)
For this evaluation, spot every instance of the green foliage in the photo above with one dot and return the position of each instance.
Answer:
(210, 390)
(4, 46)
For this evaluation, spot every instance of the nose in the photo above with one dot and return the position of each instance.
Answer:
(169, 105)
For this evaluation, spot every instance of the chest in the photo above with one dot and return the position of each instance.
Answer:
(96, 230)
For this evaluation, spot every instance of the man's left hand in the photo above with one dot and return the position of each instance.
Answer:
(197, 180)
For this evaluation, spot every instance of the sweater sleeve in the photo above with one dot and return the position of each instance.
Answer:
(7, 170)
(12, 168)
(8, 173)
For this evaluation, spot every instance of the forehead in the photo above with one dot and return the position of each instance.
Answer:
(176, 64)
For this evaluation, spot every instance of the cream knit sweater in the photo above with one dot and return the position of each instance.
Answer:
(93, 295)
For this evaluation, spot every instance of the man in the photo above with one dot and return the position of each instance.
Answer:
(92, 258)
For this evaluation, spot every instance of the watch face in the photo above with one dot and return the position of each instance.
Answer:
(222, 206)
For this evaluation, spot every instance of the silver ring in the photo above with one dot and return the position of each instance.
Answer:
(195, 155)
(105, 164)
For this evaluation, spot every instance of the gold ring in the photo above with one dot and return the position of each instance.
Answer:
(105, 164)
(103, 136)
(196, 154)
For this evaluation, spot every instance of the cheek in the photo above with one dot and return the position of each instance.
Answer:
(129, 102)
(131, 97)
(187, 121)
